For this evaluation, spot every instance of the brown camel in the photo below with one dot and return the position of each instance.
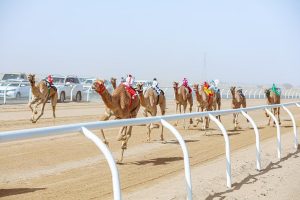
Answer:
(123, 105)
(149, 100)
(108, 112)
(238, 101)
(273, 98)
(182, 98)
(204, 103)
(40, 95)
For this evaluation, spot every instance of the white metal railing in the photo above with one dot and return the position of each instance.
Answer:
(83, 127)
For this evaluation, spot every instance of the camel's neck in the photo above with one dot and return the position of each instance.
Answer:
(34, 89)
(176, 93)
(142, 99)
(114, 84)
(107, 99)
(198, 96)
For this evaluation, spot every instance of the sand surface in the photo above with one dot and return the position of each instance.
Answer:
(69, 166)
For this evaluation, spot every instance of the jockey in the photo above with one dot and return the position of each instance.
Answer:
(214, 85)
(207, 89)
(276, 89)
(129, 80)
(50, 79)
(49, 83)
(155, 86)
(186, 84)
(240, 91)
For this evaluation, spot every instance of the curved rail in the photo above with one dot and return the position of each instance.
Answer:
(112, 165)
(185, 156)
(227, 148)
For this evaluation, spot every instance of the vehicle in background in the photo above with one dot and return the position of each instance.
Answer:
(89, 82)
(15, 89)
(13, 76)
(65, 85)
(82, 80)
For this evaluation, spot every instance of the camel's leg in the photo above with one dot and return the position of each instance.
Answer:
(219, 108)
(124, 143)
(122, 133)
(184, 111)
(176, 123)
(42, 111)
(33, 101)
(162, 106)
(190, 100)
(235, 121)
(53, 103)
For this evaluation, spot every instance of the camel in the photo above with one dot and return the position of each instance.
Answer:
(123, 105)
(182, 98)
(149, 100)
(273, 98)
(204, 103)
(41, 94)
(108, 112)
(238, 101)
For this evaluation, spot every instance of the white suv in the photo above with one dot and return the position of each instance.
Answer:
(14, 89)
(66, 85)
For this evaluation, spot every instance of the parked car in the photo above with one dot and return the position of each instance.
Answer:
(15, 89)
(89, 82)
(13, 76)
(65, 85)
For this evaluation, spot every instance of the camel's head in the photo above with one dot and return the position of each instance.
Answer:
(267, 92)
(175, 85)
(113, 80)
(31, 78)
(232, 90)
(196, 87)
(139, 87)
(98, 86)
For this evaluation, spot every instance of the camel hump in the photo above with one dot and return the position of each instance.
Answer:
(184, 92)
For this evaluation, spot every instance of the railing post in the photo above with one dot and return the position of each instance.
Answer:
(71, 98)
(29, 96)
(4, 97)
(294, 126)
(278, 132)
(222, 90)
(227, 148)
(88, 94)
(111, 162)
(254, 94)
(257, 141)
(228, 94)
(185, 156)
(259, 94)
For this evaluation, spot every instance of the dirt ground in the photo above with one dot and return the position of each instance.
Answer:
(69, 166)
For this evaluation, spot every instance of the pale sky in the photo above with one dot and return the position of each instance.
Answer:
(249, 41)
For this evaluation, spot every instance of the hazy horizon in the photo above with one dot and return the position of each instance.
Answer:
(255, 42)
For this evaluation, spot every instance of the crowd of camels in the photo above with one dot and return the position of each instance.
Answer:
(122, 104)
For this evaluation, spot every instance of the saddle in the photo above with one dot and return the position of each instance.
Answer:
(49, 86)
(131, 91)
(276, 90)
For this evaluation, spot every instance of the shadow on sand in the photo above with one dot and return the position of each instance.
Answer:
(16, 191)
(157, 161)
(176, 142)
(253, 178)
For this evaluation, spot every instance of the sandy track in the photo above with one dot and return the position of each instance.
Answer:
(69, 166)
